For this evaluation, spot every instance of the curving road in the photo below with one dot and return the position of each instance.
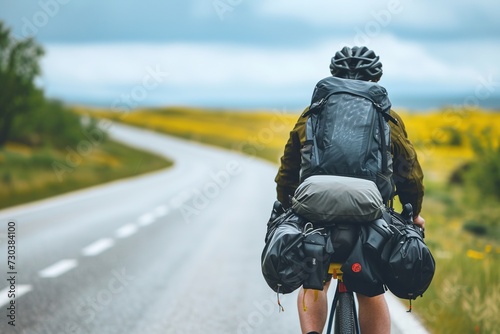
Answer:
(175, 251)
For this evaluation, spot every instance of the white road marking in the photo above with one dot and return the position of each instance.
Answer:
(58, 268)
(146, 219)
(126, 231)
(98, 247)
(20, 290)
(161, 211)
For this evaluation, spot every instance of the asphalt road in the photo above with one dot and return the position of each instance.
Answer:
(175, 251)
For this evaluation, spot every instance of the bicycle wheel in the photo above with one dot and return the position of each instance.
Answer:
(344, 314)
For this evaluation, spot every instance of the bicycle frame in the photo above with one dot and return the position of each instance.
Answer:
(335, 271)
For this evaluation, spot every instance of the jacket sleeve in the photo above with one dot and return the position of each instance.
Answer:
(407, 172)
(287, 179)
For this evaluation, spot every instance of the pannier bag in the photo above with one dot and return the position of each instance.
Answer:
(273, 222)
(390, 252)
(295, 254)
(407, 263)
(330, 199)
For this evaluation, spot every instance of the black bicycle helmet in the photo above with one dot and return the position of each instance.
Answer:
(359, 63)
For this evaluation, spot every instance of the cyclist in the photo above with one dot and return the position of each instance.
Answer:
(362, 64)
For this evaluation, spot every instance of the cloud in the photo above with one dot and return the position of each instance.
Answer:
(316, 12)
(413, 62)
(219, 73)
(419, 19)
(262, 50)
(187, 63)
(226, 73)
(356, 13)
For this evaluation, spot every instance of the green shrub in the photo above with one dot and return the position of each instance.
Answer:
(50, 124)
(481, 181)
(484, 172)
(476, 228)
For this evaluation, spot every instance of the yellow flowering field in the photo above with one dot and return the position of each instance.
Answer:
(442, 137)
(261, 133)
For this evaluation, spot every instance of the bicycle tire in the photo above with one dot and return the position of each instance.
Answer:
(344, 314)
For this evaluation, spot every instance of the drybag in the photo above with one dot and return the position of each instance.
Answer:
(330, 199)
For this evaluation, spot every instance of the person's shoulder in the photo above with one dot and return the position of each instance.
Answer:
(303, 114)
(400, 124)
(395, 115)
(303, 117)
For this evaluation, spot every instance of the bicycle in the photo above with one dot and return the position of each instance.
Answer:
(343, 306)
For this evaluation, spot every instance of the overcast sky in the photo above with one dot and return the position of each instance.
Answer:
(258, 53)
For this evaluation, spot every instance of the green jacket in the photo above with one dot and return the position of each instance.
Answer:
(407, 173)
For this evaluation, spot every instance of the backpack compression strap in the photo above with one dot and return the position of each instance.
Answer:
(383, 143)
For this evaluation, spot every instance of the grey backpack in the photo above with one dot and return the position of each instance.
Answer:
(347, 133)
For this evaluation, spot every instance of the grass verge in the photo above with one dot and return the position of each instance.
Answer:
(28, 174)
(464, 296)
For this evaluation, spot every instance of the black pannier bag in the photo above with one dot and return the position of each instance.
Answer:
(407, 264)
(295, 254)
(390, 252)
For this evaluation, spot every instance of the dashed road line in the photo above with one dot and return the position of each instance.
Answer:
(21, 289)
(95, 248)
(160, 211)
(126, 231)
(98, 247)
(58, 268)
(146, 219)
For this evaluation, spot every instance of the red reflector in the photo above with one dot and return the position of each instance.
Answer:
(356, 267)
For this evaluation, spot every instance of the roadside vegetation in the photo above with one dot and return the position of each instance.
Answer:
(460, 153)
(45, 148)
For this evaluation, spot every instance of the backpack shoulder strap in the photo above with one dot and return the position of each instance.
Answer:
(383, 144)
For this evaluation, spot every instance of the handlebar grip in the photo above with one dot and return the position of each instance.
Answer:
(408, 212)
(276, 212)
(278, 208)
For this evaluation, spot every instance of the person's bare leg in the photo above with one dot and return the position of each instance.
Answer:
(374, 316)
(314, 319)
